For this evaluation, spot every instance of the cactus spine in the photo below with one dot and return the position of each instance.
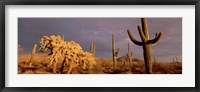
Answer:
(115, 53)
(92, 48)
(33, 55)
(129, 55)
(146, 43)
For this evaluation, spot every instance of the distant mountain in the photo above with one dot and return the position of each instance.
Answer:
(125, 57)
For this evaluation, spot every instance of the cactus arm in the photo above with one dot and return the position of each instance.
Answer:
(117, 52)
(141, 32)
(128, 47)
(127, 54)
(156, 39)
(133, 39)
(156, 34)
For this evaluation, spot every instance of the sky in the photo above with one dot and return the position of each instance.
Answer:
(99, 30)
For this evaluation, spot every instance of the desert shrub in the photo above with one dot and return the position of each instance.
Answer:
(107, 63)
(167, 67)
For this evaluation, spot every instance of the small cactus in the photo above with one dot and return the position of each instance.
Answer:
(92, 48)
(129, 55)
(146, 43)
(32, 59)
(115, 53)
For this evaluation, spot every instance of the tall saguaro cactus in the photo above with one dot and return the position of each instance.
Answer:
(146, 43)
(115, 53)
(33, 55)
(129, 55)
(92, 48)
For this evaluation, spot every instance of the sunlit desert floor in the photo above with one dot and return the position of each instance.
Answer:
(103, 66)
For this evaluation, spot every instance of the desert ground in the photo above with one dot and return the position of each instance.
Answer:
(103, 66)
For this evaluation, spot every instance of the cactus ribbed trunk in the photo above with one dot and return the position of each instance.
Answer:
(146, 43)
(115, 53)
(92, 48)
(147, 58)
(114, 61)
(33, 55)
(129, 55)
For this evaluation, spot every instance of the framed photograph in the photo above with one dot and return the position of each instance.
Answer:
(112, 45)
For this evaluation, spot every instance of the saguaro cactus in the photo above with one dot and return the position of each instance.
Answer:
(146, 43)
(115, 53)
(129, 55)
(33, 55)
(92, 48)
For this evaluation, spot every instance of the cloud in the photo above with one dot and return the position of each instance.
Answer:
(99, 30)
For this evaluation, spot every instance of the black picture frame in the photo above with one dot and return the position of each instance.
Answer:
(99, 2)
